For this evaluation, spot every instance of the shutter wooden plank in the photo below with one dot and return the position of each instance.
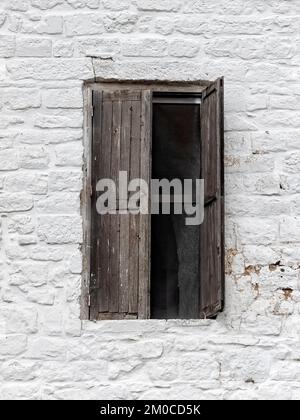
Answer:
(145, 220)
(114, 254)
(104, 235)
(120, 288)
(212, 229)
(124, 218)
(106, 316)
(95, 217)
(122, 95)
(135, 158)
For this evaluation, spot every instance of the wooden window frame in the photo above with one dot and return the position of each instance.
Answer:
(197, 87)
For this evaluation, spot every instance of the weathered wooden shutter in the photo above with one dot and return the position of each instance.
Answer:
(120, 242)
(212, 229)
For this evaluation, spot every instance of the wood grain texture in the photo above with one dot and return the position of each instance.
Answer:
(114, 246)
(124, 218)
(118, 254)
(104, 272)
(95, 218)
(212, 229)
(134, 220)
(145, 219)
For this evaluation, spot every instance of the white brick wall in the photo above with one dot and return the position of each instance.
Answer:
(46, 50)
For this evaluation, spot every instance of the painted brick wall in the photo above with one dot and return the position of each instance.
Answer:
(47, 49)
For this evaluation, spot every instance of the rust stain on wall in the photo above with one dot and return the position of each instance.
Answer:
(250, 269)
(230, 254)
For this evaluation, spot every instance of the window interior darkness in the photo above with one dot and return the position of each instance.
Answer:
(175, 246)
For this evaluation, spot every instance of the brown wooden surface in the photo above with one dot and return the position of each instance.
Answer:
(131, 299)
(124, 218)
(103, 235)
(212, 229)
(118, 258)
(145, 220)
(114, 256)
(95, 220)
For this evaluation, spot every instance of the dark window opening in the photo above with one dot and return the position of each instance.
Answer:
(175, 246)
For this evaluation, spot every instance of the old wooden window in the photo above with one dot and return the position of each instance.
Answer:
(143, 266)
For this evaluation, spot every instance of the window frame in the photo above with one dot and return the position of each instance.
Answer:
(197, 87)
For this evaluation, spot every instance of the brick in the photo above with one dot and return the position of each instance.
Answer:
(75, 264)
(50, 136)
(46, 253)
(164, 26)
(245, 366)
(34, 157)
(21, 392)
(21, 320)
(287, 370)
(13, 345)
(42, 295)
(48, 69)
(257, 231)
(14, 252)
(116, 6)
(15, 202)
(67, 155)
(270, 73)
(252, 206)
(63, 98)
(249, 164)
(50, 25)
(200, 367)
(235, 7)
(51, 320)
(275, 141)
(84, 24)
(63, 49)
(58, 121)
(66, 203)
(27, 240)
(33, 47)
(280, 119)
(19, 6)
(290, 229)
(65, 181)
(60, 229)
(45, 4)
(292, 163)
(191, 26)
(237, 142)
(183, 48)
(124, 22)
(250, 48)
(284, 102)
(158, 5)
(33, 183)
(92, 47)
(20, 224)
(21, 98)
(7, 46)
(145, 48)
(257, 103)
(8, 160)
(46, 348)
(19, 370)
(2, 18)
(78, 4)
(73, 328)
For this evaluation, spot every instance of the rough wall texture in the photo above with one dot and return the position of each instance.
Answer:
(47, 49)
